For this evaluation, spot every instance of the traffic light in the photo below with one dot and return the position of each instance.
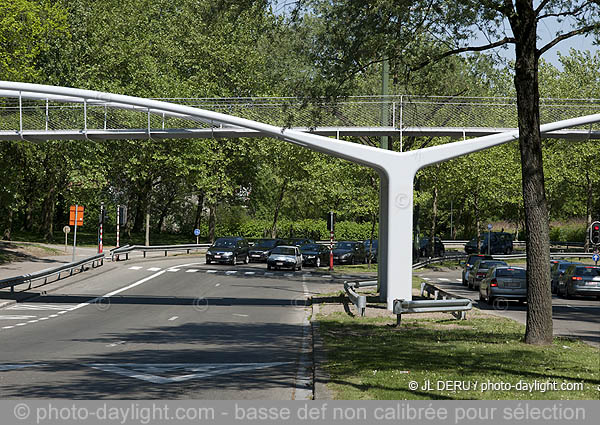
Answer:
(102, 215)
(122, 215)
(330, 221)
(595, 233)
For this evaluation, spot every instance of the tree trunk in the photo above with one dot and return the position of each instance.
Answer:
(48, 206)
(199, 211)
(212, 222)
(277, 208)
(539, 299)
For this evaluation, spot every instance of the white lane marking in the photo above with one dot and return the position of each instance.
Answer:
(458, 280)
(53, 315)
(173, 270)
(240, 315)
(114, 344)
(147, 372)
(218, 284)
(443, 279)
(8, 327)
(154, 269)
(269, 273)
(231, 272)
(32, 321)
(44, 318)
(173, 318)
(16, 317)
(250, 273)
(20, 324)
(135, 268)
(40, 307)
(211, 271)
(191, 271)
(18, 366)
(288, 274)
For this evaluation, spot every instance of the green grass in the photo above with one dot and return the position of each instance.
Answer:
(369, 360)
(355, 268)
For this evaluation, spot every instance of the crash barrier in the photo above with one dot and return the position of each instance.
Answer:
(360, 301)
(95, 260)
(126, 249)
(429, 290)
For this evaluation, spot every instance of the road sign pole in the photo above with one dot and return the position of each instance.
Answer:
(330, 250)
(66, 241)
(118, 206)
(100, 234)
(75, 233)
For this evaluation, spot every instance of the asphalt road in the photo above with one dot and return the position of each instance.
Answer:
(579, 317)
(163, 329)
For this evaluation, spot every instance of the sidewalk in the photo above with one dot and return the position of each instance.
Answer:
(29, 261)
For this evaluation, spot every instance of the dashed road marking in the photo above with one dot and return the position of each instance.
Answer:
(16, 317)
(173, 270)
(154, 269)
(443, 279)
(191, 271)
(173, 318)
(135, 268)
(240, 315)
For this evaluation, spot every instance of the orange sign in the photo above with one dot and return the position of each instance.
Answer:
(79, 215)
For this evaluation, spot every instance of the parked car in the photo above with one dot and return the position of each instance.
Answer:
(557, 269)
(579, 279)
(371, 249)
(469, 263)
(285, 256)
(231, 249)
(262, 248)
(314, 254)
(480, 271)
(297, 241)
(501, 243)
(424, 247)
(349, 252)
(505, 282)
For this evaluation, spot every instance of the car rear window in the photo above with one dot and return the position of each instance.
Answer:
(488, 264)
(516, 273)
(587, 271)
(284, 251)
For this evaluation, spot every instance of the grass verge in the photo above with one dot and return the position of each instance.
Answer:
(369, 359)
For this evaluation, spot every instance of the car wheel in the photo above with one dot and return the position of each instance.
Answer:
(318, 262)
(481, 297)
(489, 298)
(469, 285)
(268, 267)
(207, 261)
(300, 267)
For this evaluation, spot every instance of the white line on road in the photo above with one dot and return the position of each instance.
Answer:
(250, 273)
(173, 270)
(154, 269)
(211, 271)
(240, 315)
(443, 279)
(135, 268)
(8, 327)
(173, 318)
(218, 284)
(16, 317)
(231, 272)
(191, 271)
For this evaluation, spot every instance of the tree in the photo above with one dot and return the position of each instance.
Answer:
(414, 35)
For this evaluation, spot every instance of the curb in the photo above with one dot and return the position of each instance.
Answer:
(320, 376)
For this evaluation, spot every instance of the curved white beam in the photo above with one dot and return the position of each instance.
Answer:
(396, 169)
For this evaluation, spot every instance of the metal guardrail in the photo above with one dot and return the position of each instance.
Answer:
(360, 301)
(433, 260)
(440, 294)
(45, 274)
(166, 248)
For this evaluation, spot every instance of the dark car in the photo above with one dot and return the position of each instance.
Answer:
(579, 279)
(471, 260)
(260, 251)
(501, 243)
(371, 249)
(297, 241)
(480, 271)
(284, 256)
(314, 254)
(557, 269)
(425, 246)
(349, 252)
(231, 249)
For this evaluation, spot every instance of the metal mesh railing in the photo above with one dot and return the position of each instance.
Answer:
(390, 111)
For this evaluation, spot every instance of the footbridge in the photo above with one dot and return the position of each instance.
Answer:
(32, 112)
